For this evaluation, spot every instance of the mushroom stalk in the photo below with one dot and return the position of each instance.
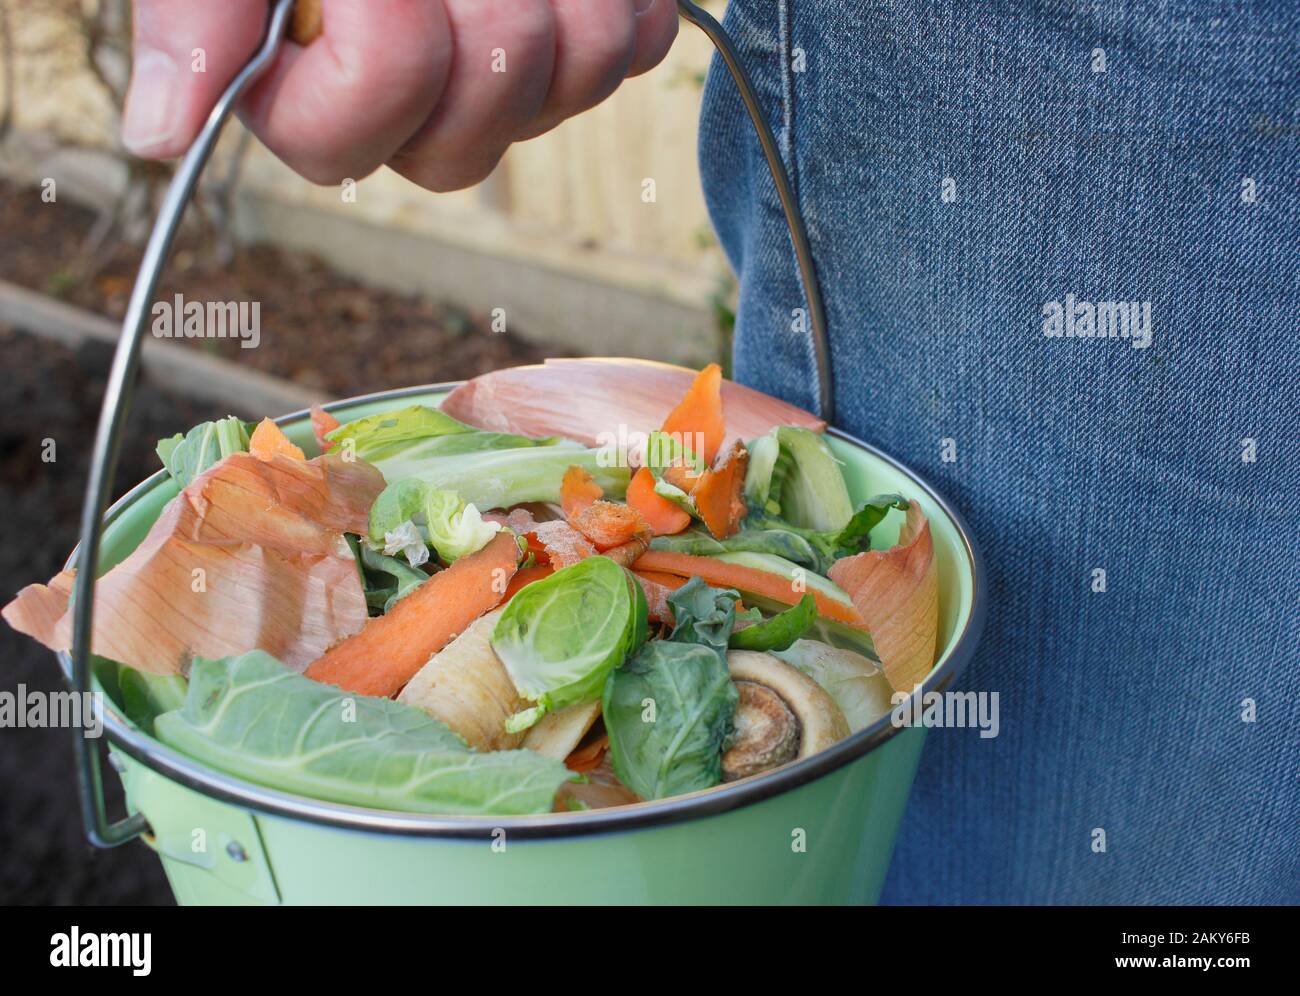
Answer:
(782, 715)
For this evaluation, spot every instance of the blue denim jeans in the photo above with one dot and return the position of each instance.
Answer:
(981, 183)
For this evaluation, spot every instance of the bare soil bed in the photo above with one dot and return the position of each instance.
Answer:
(319, 328)
(53, 393)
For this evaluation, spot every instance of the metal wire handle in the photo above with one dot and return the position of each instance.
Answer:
(705, 21)
(126, 361)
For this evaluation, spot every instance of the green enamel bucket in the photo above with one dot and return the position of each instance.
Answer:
(820, 830)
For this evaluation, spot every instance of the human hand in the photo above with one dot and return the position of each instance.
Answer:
(436, 89)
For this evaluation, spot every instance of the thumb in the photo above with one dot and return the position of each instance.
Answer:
(184, 53)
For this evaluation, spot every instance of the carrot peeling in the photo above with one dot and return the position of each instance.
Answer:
(553, 542)
(524, 577)
(268, 440)
(536, 547)
(391, 648)
(323, 423)
(670, 581)
(663, 517)
(578, 490)
(609, 525)
(697, 420)
(627, 554)
(718, 496)
(587, 757)
(721, 574)
(657, 592)
(682, 478)
(564, 546)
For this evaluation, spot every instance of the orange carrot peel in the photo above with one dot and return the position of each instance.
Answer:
(697, 420)
(268, 439)
(663, 517)
(721, 574)
(323, 423)
(391, 648)
(607, 524)
(718, 495)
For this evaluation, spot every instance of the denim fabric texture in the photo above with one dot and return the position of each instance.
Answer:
(962, 166)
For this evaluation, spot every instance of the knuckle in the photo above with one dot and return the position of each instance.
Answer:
(523, 29)
(608, 54)
(533, 30)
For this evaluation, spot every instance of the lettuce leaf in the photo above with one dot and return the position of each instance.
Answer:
(762, 477)
(703, 614)
(253, 718)
(502, 478)
(186, 457)
(488, 476)
(147, 696)
(826, 630)
(795, 475)
(669, 709)
(415, 422)
(768, 534)
(776, 539)
(405, 578)
(401, 501)
(487, 469)
(668, 712)
(405, 457)
(794, 484)
(780, 631)
(708, 616)
(410, 508)
(663, 451)
(856, 534)
(455, 527)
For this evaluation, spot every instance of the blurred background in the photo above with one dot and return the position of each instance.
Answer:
(592, 239)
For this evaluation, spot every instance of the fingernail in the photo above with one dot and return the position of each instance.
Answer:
(641, 6)
(150, 119)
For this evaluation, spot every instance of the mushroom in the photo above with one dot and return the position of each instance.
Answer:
(782, 715)
(858, 685)
(767, 733)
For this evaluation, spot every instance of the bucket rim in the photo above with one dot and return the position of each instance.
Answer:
(177, 767)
